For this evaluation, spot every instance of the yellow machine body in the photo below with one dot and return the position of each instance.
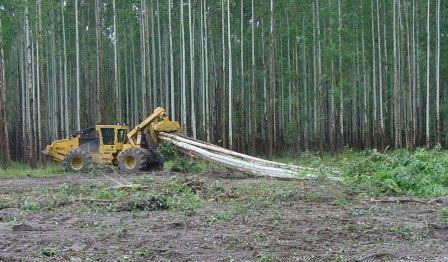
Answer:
(111, 140)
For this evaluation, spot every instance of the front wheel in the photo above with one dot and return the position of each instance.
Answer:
(133, 160)
(77, 160)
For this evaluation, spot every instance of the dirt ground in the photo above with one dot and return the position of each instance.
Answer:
(213, 217)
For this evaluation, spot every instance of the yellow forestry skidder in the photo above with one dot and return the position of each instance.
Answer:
(113, 145)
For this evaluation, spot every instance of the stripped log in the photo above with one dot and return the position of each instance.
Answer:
(219, 149)
(232, 162)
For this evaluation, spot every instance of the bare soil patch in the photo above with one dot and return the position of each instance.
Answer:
(213, 216)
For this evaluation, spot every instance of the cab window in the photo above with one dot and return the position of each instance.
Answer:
(108, 136)
(121, 135)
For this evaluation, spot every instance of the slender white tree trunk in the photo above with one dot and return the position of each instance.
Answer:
(229, 45)
(143, 56)
(439, 124)
(428, 52)
(66, 102)
(118, 113)
(173, 114)
(207, 102)
(182, 57)
(192, 65)
(78, 92)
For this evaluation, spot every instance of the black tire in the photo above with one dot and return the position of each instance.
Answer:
(77, 161)
(134, 160)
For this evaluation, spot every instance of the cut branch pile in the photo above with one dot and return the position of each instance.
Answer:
(236, 161)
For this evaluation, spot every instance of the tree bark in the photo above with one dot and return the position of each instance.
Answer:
(29, 84)
(4, 146)
(192, 75)
(428, 53)
(173, 113)
(230, 73)
(438, 119)
(78, 80)
(101, 90)
(271, 83)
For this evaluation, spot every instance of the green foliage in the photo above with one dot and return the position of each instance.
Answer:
(420, 173)
(183, 165)
(167, 151)
(443, 215)
(183, 196)
(291, 133)
(18, 170)
(30, 206)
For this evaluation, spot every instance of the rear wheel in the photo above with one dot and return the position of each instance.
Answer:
(134, 160)
(77, 160)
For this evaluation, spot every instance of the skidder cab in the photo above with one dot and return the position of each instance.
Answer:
(113, 145)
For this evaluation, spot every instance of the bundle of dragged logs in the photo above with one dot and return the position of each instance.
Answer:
(234, 160)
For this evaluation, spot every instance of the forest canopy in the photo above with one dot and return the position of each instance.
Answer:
(251, 75)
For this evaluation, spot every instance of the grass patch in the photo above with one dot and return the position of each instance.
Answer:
(403, 230)
(420, 173)
(443, 215)
(19, 170)
(182, 165)
(30, 206)
(183, 196)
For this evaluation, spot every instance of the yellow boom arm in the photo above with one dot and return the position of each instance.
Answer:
(157, 122)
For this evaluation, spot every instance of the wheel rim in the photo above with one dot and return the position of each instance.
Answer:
(76, 163)
(130, 162)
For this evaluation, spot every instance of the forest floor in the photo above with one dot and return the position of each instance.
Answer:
(213, 215)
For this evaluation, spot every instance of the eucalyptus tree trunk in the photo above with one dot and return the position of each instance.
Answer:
(229, 45)
(118, 113)
(148, 50)
(29, 84)
(192, 65)
(319, 84)
(133, 74)
(439, 125)
(143, 57)
(272, 83)
(66, 102)
(41, 90)
(243, 116)
(341, 81)
(397, 120)
(223, 88)
(380, 79)
(4, 148)
(374, 87)
(101, 90)
(155, 94)
(183, 65)
(159, 42)
(315, 76)
(305, 89)
(207, 102)
(414, 79)
(409, 93)
(53, 93)
(366, 130)
(173, 114)
(253, 120)
(202, 78)
(428, 53)
(78, 92)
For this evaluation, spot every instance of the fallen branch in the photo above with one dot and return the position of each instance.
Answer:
(405, 200)
(97, 200)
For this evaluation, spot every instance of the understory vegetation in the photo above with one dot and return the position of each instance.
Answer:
(423, 172)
